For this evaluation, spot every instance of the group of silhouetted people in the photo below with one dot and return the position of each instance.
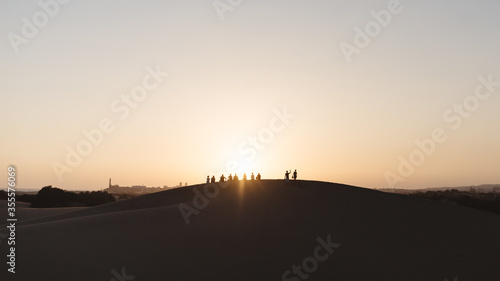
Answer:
(287, 175)
(252, 177)
(231, 178)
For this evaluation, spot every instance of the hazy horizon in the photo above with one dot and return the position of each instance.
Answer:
(367, 93)
(201, 183)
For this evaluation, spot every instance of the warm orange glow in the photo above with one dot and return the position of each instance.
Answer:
(174, 104)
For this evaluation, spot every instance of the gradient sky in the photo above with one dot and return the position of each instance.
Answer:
(227, 78)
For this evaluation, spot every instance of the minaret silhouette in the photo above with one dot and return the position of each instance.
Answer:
(109, 182)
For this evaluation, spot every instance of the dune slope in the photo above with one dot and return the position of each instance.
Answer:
(259, 231)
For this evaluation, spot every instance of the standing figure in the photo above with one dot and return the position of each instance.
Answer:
(213, 179)
(208, 179)
(258, 176)
(287, 176)
(222, 178)
(230, 178)
(244, 176)
(236, 177)
(252, 177)
(295, 175)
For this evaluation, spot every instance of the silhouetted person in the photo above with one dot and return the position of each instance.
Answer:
(244, 176)
(287, 176)
(236, 177)
(213, 179)
(295, 175)
(252, 177)
(258, 176)
(208, 179)
(230, 178)
(222, 178)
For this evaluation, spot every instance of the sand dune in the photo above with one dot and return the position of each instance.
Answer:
(258, 231)
(25, 213)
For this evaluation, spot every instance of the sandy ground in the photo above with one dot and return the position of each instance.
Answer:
(259, 231)
(26, 214)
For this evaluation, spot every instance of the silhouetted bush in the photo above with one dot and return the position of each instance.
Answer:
(95, 198)
(50, 197)
(22, 198)
(3, 195)
(28, 198)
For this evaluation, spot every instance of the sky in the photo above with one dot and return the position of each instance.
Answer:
(374, 93)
